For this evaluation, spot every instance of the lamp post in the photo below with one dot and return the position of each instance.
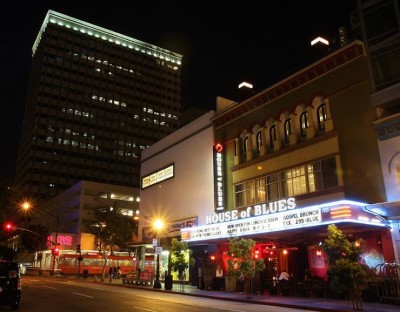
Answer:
(158, 224)
(26, 205)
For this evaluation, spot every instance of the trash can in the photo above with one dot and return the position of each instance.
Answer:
(168, 282)
(85, 274)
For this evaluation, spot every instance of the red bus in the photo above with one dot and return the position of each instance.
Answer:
(69, 264)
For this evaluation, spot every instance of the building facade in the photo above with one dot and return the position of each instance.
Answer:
(379, 25)
(95, 100)
(298, 156)
(177, 188)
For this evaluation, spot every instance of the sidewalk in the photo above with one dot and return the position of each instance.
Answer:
(314, 304)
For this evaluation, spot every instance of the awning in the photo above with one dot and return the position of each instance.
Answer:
(388, 210)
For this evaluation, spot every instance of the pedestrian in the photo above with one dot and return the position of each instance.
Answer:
(110, 274)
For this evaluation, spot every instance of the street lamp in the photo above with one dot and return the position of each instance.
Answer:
(26, 205)
(158, 225)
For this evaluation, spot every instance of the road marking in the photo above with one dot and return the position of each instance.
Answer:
(83, 295)
(139, 308)
(49, 287)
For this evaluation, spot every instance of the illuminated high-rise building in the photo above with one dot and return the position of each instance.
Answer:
(96, 99)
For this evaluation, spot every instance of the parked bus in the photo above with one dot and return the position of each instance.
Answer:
(69, 264)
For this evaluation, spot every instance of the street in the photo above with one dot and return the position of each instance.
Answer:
(63, 294)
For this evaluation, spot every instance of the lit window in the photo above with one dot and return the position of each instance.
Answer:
(321, 115)
(288, 129)
(303, 123)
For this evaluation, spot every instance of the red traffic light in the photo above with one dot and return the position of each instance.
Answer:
(55, 251)
(9, 226)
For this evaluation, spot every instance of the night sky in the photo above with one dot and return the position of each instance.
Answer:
(222, 42)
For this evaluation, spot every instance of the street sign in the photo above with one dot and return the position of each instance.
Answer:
(155, 242)
(158, 250)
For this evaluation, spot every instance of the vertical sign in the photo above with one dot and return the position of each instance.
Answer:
(219, 178)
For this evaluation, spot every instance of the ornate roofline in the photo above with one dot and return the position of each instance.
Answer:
(333, 61)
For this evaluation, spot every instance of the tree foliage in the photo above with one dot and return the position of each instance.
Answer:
(241, 250)
(112, 229)
(346, 273)
(181, 258)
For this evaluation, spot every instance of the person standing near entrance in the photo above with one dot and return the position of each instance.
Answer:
(284, 276)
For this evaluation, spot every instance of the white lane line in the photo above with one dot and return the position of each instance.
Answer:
(83, 295)
(49, 287)
(139, 308)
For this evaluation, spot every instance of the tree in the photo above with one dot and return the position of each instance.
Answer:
(346, 273)
(112, 229)
(243, 261)
(181, 258)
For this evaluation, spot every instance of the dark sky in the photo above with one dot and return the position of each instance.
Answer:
(222, 42)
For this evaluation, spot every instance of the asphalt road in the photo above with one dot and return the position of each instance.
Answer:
(60, 295)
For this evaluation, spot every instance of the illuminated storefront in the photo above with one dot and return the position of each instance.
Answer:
(294, 162)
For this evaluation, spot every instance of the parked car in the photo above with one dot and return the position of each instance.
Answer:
(10, 284)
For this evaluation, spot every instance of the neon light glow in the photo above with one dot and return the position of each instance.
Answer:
(317, 215)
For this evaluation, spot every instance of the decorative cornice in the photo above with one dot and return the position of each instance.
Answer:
(335, 60)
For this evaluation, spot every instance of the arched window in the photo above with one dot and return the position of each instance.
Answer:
(321, 115)
(272, 135)
(303, 123)
(288, 129)
(259, 142)
(245, 145)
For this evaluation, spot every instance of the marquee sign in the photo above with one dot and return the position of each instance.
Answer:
(278, 216)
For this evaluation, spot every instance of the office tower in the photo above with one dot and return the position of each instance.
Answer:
(96, 99)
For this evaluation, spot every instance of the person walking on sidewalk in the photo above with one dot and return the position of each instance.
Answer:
(110, 274)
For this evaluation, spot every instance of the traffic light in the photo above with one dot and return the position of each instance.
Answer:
(55, 251)
(78, 248)
(8, 226)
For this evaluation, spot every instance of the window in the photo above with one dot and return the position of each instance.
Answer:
(260, 190)
(259, 142)
(272, 187)
(245, 193)
(321, 115)
(312, 177)
(272, 135)
(240, 195)
(288, 129)
(303, 123)
(245, 146)
(293, 181)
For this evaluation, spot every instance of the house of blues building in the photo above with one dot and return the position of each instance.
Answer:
(278, 168)
(292, 159)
